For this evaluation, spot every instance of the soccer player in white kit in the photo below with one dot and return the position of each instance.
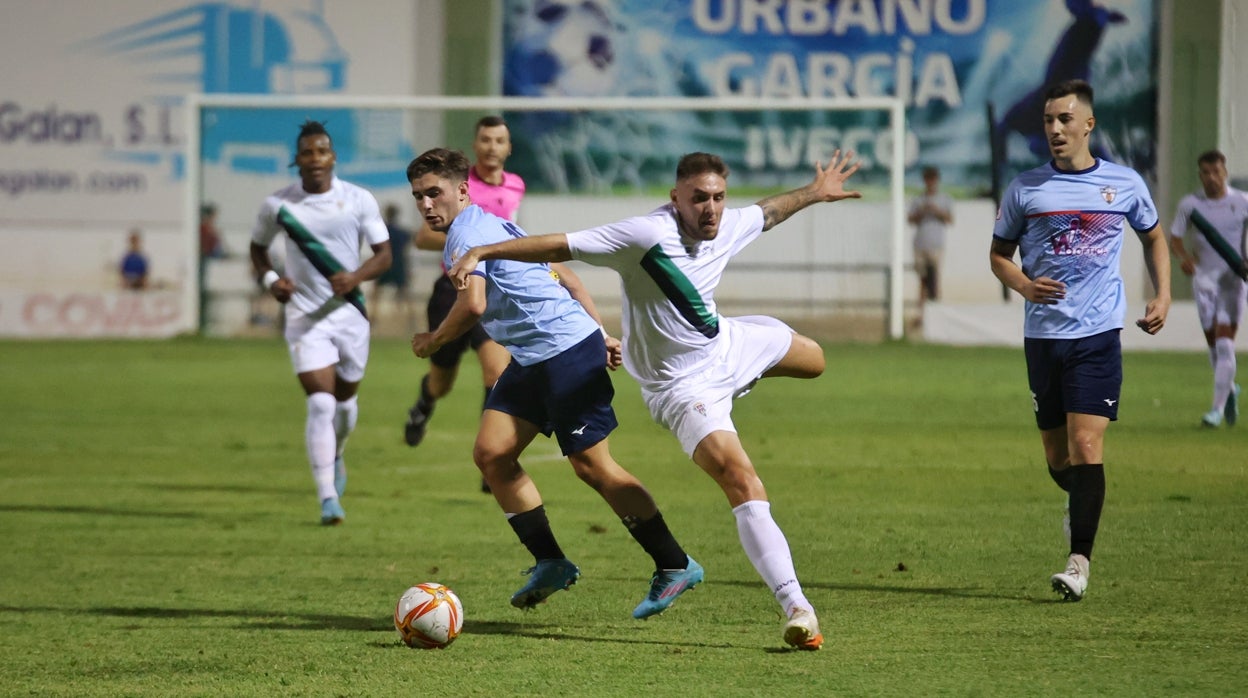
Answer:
(326, 221)
(1068, 219)
(1217, 210)
(692, 362)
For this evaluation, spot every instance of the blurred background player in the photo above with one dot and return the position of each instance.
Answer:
(498, 192)
(399, 273)
(1216, 210)
(1068, 219)
(692, 363)
(210, 244)
(133, 266)
(929, 213)
(556, 382)
(326, 221)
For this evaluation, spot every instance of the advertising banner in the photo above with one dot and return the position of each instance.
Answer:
(971, 73)
(91, 119)
(93, 137)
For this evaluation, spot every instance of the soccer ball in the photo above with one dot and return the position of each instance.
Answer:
(428, 616)
(562, 48)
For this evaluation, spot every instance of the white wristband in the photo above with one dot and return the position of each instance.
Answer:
(270, 277)
(604, 332)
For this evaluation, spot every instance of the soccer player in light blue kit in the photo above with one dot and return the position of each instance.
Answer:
(1068, 218)
(557, 382)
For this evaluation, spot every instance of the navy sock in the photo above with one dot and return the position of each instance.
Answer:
(655, 538)
(426, 400)
(533, 529)
(1087, 496)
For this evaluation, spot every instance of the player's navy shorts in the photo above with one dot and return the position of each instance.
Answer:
(1074, 375)
(568, 395)
(440, 302)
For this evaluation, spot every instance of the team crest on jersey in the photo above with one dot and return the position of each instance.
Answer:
(700, 408)
(1108, 193)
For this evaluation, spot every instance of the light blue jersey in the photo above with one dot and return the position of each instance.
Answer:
(527, 310)
(1069, 226)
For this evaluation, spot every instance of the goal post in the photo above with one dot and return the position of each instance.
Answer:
(387, 131)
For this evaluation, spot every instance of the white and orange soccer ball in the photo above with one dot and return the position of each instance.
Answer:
(428, 616)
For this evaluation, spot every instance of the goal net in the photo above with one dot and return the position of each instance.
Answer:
(586, 161)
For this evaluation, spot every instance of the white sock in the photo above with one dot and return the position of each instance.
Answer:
(1223, 371)
(765, 545)
(345, 417)
(320, 438)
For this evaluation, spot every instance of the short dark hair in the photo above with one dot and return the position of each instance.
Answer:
(1078, 88)
(693, 164)
(311, 127)
(444, 162)
(1212, 157)
(931, 171)
(488, 122)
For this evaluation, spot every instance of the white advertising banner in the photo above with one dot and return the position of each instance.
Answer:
(92, 125)
(90, 314)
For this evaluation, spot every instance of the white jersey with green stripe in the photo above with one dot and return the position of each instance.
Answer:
(324, 235)
(670, 319)
(1226, 217)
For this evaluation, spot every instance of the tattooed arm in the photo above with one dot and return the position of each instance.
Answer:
(828, 185)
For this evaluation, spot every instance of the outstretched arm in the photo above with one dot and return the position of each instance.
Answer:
(534, 248)
(828, 185)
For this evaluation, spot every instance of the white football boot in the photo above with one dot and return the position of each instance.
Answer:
(1073, 583)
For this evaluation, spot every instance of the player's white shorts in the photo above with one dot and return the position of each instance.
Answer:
(694, 406)
(339, 339)
(1219, 297)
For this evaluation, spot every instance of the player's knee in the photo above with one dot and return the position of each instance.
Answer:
(741, 486)
(810, 361)
(321, 406)
(493, 457)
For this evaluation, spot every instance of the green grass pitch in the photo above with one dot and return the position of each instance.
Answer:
(160, 537)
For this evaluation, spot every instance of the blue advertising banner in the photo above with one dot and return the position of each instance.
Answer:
(971, 73)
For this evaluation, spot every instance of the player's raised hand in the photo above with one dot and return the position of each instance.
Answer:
(830, 183)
